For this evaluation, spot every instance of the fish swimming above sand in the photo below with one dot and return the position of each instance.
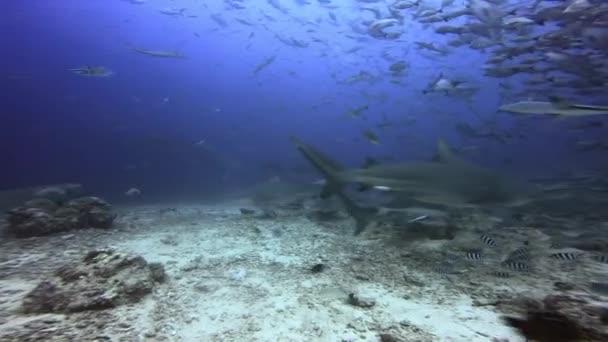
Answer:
(334, 186)
(446, 181)
(556, 107)
(160, 53)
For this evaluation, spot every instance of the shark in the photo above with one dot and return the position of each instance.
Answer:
(159, 53)
(331, 170)
(556, 106)
(447, 181)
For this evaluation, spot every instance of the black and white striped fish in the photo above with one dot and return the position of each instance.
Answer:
(443, 269)
(473, 255)
(488, 240)
(516, 266)
(601, 258)
(501, 274)
(565, 256)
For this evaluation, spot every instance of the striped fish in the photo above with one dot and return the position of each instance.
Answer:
(473, 255)
(516, 266)
(501, 274)
(602, 258)
(488, 240)
(565, 256)
(443, 269)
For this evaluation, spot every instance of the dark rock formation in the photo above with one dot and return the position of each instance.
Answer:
(93, 211)
(246, 211)
(102, 279)
(317, 268)
(42, 217)
(559, 318)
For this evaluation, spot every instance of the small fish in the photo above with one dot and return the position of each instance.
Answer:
(488, 240)
(133, 192)
(500, 274)
(404, 4)
(266, 62)
(398, 67)
(159, 53)
(377, 29)
(243, 21)
(370, 136)
(578, 6)
(516, 266)
(173, 11)
(417, 219)
(95, 71)
(565, 256)
(603, 258)
(332, 16)
(361, 76)
(443, 269)
(357, 111)
(473, 255)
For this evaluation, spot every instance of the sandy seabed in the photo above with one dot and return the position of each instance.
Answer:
(234, 277)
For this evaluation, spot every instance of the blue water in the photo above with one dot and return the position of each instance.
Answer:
(139, 127)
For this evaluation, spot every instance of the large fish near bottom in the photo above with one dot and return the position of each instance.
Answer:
(447, 181)
(333, 186)
(554, 108)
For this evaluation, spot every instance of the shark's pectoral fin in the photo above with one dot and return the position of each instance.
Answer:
(363, 217)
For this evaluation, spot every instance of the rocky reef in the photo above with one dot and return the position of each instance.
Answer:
(559, 317)
(43, 216)
(103, 279)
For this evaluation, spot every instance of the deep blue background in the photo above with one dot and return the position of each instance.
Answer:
(139, 127)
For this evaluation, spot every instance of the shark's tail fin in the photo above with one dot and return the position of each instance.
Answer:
(326, 166)
(331, 170)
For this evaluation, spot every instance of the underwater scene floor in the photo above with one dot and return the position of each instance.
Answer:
(236, 276)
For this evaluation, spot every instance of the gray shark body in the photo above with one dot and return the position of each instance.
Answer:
(446, 181)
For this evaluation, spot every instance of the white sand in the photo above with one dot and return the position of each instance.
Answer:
(231, 282)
